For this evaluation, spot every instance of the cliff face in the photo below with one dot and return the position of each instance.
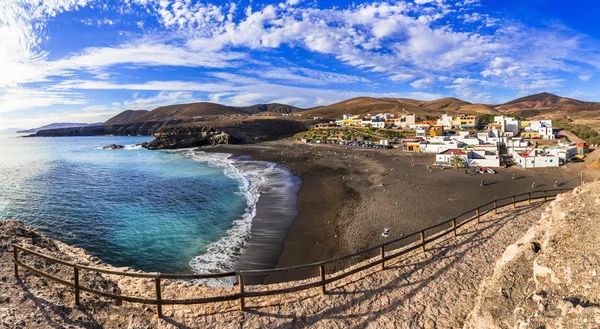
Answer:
(239, 132)
(550, 277)
(131, 129)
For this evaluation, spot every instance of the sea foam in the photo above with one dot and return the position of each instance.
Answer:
(220, 256)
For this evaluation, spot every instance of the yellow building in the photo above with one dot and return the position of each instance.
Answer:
(525, 124)
(347, 122)
(436, 131)
(466, 121)
(530, 134)
(413, 146)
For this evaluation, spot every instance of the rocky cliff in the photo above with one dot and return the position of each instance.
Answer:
(230, 132)
(550, 277)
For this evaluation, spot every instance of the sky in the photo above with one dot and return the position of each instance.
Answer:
(87, 60)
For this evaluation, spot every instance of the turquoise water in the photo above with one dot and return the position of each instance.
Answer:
(150, 210)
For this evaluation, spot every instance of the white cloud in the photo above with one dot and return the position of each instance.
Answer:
(18, 99)
(422, 83)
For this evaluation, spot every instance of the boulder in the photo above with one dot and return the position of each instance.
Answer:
(113, 147)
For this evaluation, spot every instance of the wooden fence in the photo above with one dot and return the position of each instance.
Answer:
(412, 241)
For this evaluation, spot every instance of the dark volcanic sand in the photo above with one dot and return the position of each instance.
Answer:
(343, 207)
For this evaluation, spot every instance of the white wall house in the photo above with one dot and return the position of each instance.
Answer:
(535, 159)
(378, 124)
(508, 125)
(439, 147)
(445, 121)
(471, 158)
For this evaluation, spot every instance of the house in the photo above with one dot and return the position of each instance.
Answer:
(445, 121)
(413, 144)
(530, 134)
(582, 149)
(324, 125)
(539, 129)
(445, 158)
(564, 152)
(378, 124)
(436, 131)
(421, 133)
(508, 126)
(535, 158)
(466, 121)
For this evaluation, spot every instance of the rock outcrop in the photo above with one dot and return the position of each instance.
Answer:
(113, 147)
(187, 137)
(236, 132)
(550, 277)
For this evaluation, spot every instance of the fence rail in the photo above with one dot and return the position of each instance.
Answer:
(437, 232)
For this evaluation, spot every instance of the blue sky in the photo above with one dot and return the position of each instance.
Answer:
(87, 60)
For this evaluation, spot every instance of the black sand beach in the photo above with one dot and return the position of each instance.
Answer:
(348, 195)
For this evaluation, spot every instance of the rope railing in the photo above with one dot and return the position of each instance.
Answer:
(452, 224)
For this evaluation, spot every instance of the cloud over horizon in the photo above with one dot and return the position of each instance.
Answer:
(66, 56)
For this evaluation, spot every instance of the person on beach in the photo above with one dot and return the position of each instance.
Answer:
(482, 182)
(428, 168)
(533, 185)
(386, 232)
(412, 162)
(513, 176)
(466, 173)
(555, 184)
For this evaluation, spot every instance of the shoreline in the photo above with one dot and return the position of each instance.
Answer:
(348, 195)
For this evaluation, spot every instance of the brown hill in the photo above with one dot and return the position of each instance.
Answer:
(201, 109)
(549, 105)
(363, 105)
(124, 117)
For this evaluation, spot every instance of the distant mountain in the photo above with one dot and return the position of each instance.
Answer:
(363, 105)
(550, 105)
(10, 131)
(58, 125)
(202, 109)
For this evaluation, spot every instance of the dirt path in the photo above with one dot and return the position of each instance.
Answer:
(572, 137)
(432, 290)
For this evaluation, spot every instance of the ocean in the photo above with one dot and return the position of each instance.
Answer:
(180, 211)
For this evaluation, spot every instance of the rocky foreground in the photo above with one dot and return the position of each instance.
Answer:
(545, 280)
(550, 277)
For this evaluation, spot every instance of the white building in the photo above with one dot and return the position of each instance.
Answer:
(445, 121)
(472, 158)
(508, 125)
(534, 158)
(421, 133)
(542, 127)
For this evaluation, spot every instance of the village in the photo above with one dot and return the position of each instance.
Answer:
(461, 141)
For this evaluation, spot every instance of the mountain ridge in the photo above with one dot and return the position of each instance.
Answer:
(58, 125)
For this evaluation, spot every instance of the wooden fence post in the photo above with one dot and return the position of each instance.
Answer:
(241, 283)
(382, 253)
(158, 297)
(16, 259)
(454, 227)
(423, 240)
(529, 197)
(514, 203)
(76, 279)
(322, 275)
(496, 206)
(477, 210)
(545, 195)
